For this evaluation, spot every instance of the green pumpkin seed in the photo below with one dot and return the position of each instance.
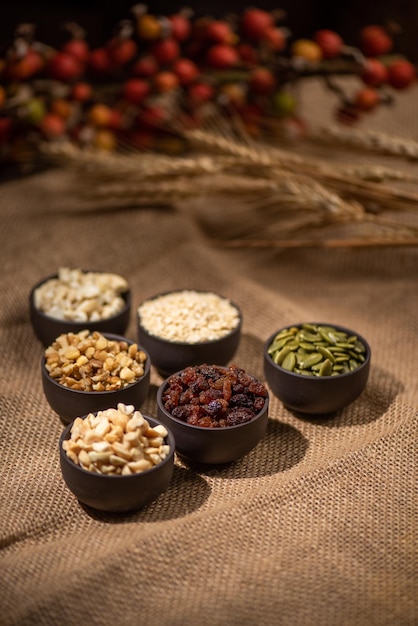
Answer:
(317, 350)
(289, 362)
(309, 347)
(326, 353)
(309, 327)
(312, 359)
(310, 337)
(326, 368)
(281, 355)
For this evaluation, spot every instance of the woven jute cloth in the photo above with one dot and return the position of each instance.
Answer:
(315, 526)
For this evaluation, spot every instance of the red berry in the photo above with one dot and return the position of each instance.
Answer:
(306, 49)
(254, 23)
(233, 94)
(222, 56)
(262, 81)
(62, 107)
(99, 61)
(152, 117)
(180, 26)
(145, 66)
(64, 66)
(78, 48)
(366, 99)
(330, 43)
(81, 92)
(115, 119)
(135, 90)
(99, 114)
(166, 50)
(275, 39)
(375, 41)
(374, 73)
(52, 125)
(219, 32)
(401, 74)
(121, 51)
(25, 67)
(248, 53)
(185, 70)
(165, 81)
(148, 27)
(200, 92)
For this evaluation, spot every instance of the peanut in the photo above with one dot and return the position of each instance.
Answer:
(100, 444)
(91, 362)
(81, 296)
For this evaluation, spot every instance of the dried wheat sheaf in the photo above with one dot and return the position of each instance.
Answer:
(245, 193)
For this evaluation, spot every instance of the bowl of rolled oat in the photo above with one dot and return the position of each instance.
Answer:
(188, 327)
(217, 414)
(116, 459)
(75, 299)
(88, 371)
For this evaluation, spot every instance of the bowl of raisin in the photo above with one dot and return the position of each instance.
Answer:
(217, 414)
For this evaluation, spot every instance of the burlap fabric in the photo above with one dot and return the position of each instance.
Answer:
(316, 526)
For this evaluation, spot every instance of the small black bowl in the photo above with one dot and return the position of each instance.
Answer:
(70, 403)
(212, 446)
(117, 493)
(316, 395)
(47, 328)
(169, 357)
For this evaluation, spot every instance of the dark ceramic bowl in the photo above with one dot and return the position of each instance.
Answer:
(169, 357)
(70, 403)
(117, 493)
(213, 446)
(316, 395)
(48, 328)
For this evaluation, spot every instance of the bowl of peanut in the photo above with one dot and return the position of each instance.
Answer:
(188, 327)
(74, 299)
(88, 371)
(217, 414)
(316, 368)
(116, 459)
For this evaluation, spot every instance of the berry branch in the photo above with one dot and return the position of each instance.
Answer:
(156, 73)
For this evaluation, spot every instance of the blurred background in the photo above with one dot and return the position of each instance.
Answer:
(99, 17)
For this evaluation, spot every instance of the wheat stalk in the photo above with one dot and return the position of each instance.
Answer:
(367, 139)
(281, 192)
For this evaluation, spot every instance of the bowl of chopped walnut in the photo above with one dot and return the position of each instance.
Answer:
(217, 414)
(188, 327)
(74, 299)
(88, 371)
(116, 459)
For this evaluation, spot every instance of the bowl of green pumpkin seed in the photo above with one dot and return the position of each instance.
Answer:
(316, 368)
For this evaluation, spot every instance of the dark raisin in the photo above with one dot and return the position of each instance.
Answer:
(238, 416)
(241, 399)
(184, 412)
(216, 408)
(258, 404)
(257, 388)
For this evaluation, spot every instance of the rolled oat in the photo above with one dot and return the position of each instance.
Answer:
(189, 316)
